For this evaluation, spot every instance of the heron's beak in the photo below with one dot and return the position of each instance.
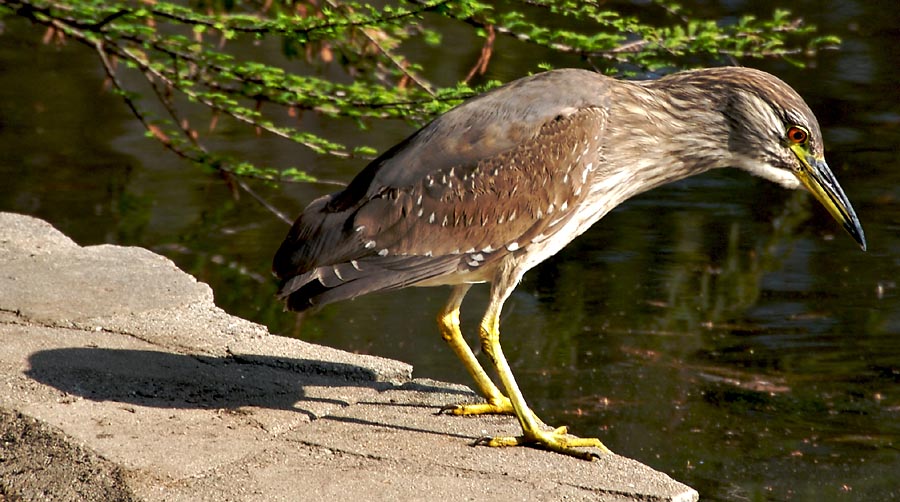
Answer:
(818, 179)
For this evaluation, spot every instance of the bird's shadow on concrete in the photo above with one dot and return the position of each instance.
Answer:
(168, 380)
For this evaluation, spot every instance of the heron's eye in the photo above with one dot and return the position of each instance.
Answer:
(797, 135)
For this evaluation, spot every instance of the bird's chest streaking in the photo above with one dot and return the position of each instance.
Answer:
(525, 203)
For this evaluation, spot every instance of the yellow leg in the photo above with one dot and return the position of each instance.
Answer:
(448, 320)
(533, 433)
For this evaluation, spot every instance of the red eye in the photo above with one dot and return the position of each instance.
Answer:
(797, 135)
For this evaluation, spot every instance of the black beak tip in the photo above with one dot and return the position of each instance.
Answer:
(856, 232)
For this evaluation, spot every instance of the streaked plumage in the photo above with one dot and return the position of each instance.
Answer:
(505, 180)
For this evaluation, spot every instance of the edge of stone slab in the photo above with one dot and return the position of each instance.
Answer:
(15, 226)
(180, 315)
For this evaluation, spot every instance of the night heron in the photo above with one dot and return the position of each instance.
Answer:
(505, 180)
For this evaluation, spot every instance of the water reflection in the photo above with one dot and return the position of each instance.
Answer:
(720, 329)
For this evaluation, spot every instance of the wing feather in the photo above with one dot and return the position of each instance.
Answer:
(499, 203)
(489, 178)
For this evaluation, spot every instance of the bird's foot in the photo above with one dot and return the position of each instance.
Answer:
(557, 440)
(500, 406)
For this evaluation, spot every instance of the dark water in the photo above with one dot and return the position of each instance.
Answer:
(719, 329)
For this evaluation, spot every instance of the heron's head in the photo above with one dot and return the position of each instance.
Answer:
(772, 133)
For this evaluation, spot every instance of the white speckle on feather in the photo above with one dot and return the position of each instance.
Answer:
(355, 265)
(370, 244)
(360, 228)
(383, 252)
(512, 246)
(431, 218)
(488, 249)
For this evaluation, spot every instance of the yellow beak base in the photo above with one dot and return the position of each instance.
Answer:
(818, 179)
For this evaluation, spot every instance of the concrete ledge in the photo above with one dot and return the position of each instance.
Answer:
(123, 381)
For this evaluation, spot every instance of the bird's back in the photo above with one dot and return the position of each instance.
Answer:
(488, 178)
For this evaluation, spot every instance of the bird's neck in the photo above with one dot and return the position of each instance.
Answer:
(656, 138)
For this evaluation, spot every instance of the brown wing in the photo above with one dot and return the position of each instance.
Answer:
(500, 204)
(455, 219)
(481, 128)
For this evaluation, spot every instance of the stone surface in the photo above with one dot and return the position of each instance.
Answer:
(121, 380)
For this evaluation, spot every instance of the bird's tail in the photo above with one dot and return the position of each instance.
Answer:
(342, 281)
